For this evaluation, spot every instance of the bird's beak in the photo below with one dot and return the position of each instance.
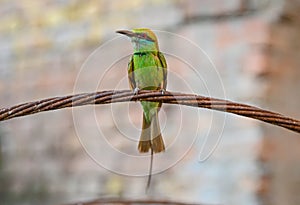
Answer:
(127, 33)
(131, 34)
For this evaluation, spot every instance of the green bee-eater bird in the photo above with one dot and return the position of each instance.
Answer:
(147, 70)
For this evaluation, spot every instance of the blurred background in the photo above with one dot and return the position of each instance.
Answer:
(256, 50)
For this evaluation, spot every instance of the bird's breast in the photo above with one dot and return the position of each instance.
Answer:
(148, 73)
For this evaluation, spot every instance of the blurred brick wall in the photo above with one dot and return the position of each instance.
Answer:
(280, 151)
(43, 46)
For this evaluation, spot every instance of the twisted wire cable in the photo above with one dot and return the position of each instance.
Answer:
(114, 96)
(132, 202)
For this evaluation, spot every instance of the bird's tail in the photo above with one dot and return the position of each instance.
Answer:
(145, 138)
(151, 137)
(156, 137)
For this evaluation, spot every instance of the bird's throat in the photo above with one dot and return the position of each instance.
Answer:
(144, 46)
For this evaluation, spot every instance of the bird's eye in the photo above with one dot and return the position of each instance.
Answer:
(143, 35)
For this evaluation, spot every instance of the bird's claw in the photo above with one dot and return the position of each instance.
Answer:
(162, 91)
(136, 91)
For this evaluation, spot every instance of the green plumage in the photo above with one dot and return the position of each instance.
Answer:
(147, 70)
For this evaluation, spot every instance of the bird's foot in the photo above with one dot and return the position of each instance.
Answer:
(162, 91)
(136, 91)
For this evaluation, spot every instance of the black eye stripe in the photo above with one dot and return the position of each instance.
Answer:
(144, 36)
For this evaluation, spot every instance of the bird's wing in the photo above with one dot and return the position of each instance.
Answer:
(131, 74)
(163, 65)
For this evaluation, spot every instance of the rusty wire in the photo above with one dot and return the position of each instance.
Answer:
(112, 96)
(132, 202)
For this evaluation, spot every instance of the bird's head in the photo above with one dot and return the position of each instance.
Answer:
(143, 39)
